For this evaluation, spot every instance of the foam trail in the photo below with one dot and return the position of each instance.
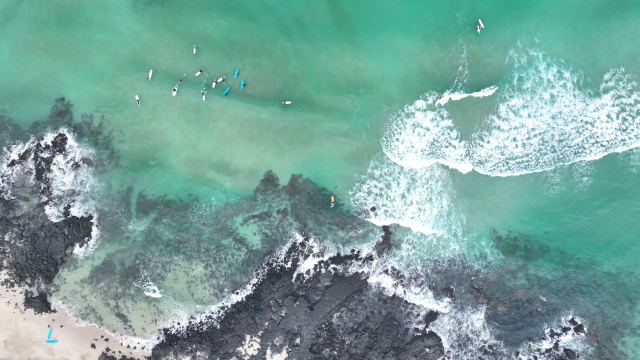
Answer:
(459, 96)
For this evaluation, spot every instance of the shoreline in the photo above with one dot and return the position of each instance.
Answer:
(24, 334)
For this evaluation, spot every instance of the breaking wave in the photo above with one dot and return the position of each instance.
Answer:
(421, 199)
(545, 117)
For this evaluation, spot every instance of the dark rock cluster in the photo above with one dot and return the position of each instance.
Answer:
(32, 247)
(330, 315)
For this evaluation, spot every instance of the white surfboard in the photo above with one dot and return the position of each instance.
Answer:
(213, 84)
(203, 94)
(285, 103)
(175, 90)
(221, 79)
(199, 72)
(481, 24)
(150, 73)
(194, 49)
(138, 100)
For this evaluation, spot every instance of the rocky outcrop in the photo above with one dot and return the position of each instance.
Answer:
(330, 315)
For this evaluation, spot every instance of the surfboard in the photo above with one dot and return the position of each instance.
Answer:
(194, 49)
(221, 79)
(285, 103)
(150, 73)
(236, 74)
(199, 72)
(213, 84)
(203, 94)
(481, 24)
(138, 100)
(333, 202)
(226, 91)
(175, 90)
(242, 84)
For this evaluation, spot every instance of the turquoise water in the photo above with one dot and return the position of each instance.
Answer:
(350, 69)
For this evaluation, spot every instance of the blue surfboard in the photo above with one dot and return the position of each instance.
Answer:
(236, 74)
(242, 84)
(226, 91)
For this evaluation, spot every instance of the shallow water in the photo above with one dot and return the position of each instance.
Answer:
(550, 156)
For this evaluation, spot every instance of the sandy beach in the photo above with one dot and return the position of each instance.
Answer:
(23, 334)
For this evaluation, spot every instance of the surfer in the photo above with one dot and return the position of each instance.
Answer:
(213, 84)
(236, 74)
(175, 89)
(138, 100)
(150, 73)
(222, 79)
(333, 201)
(194, 49)
(202, 92)
(199, 72)
(285, 103)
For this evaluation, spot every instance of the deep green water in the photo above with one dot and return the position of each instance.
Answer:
(349, 68)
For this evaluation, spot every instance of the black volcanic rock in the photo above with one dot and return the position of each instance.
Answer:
(330, 315)
(38, 303)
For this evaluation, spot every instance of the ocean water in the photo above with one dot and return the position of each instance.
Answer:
(510, 156)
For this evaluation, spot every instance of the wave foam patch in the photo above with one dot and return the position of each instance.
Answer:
(420, 199)
(422, 135)
(465, 335)
(545, 118)
(148, 287)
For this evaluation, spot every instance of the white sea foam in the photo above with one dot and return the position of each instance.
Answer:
(545, 118)
(459, 96)
(422, 135)
(420, 199)
(148, 287)
(465, 334)
(569, 340)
